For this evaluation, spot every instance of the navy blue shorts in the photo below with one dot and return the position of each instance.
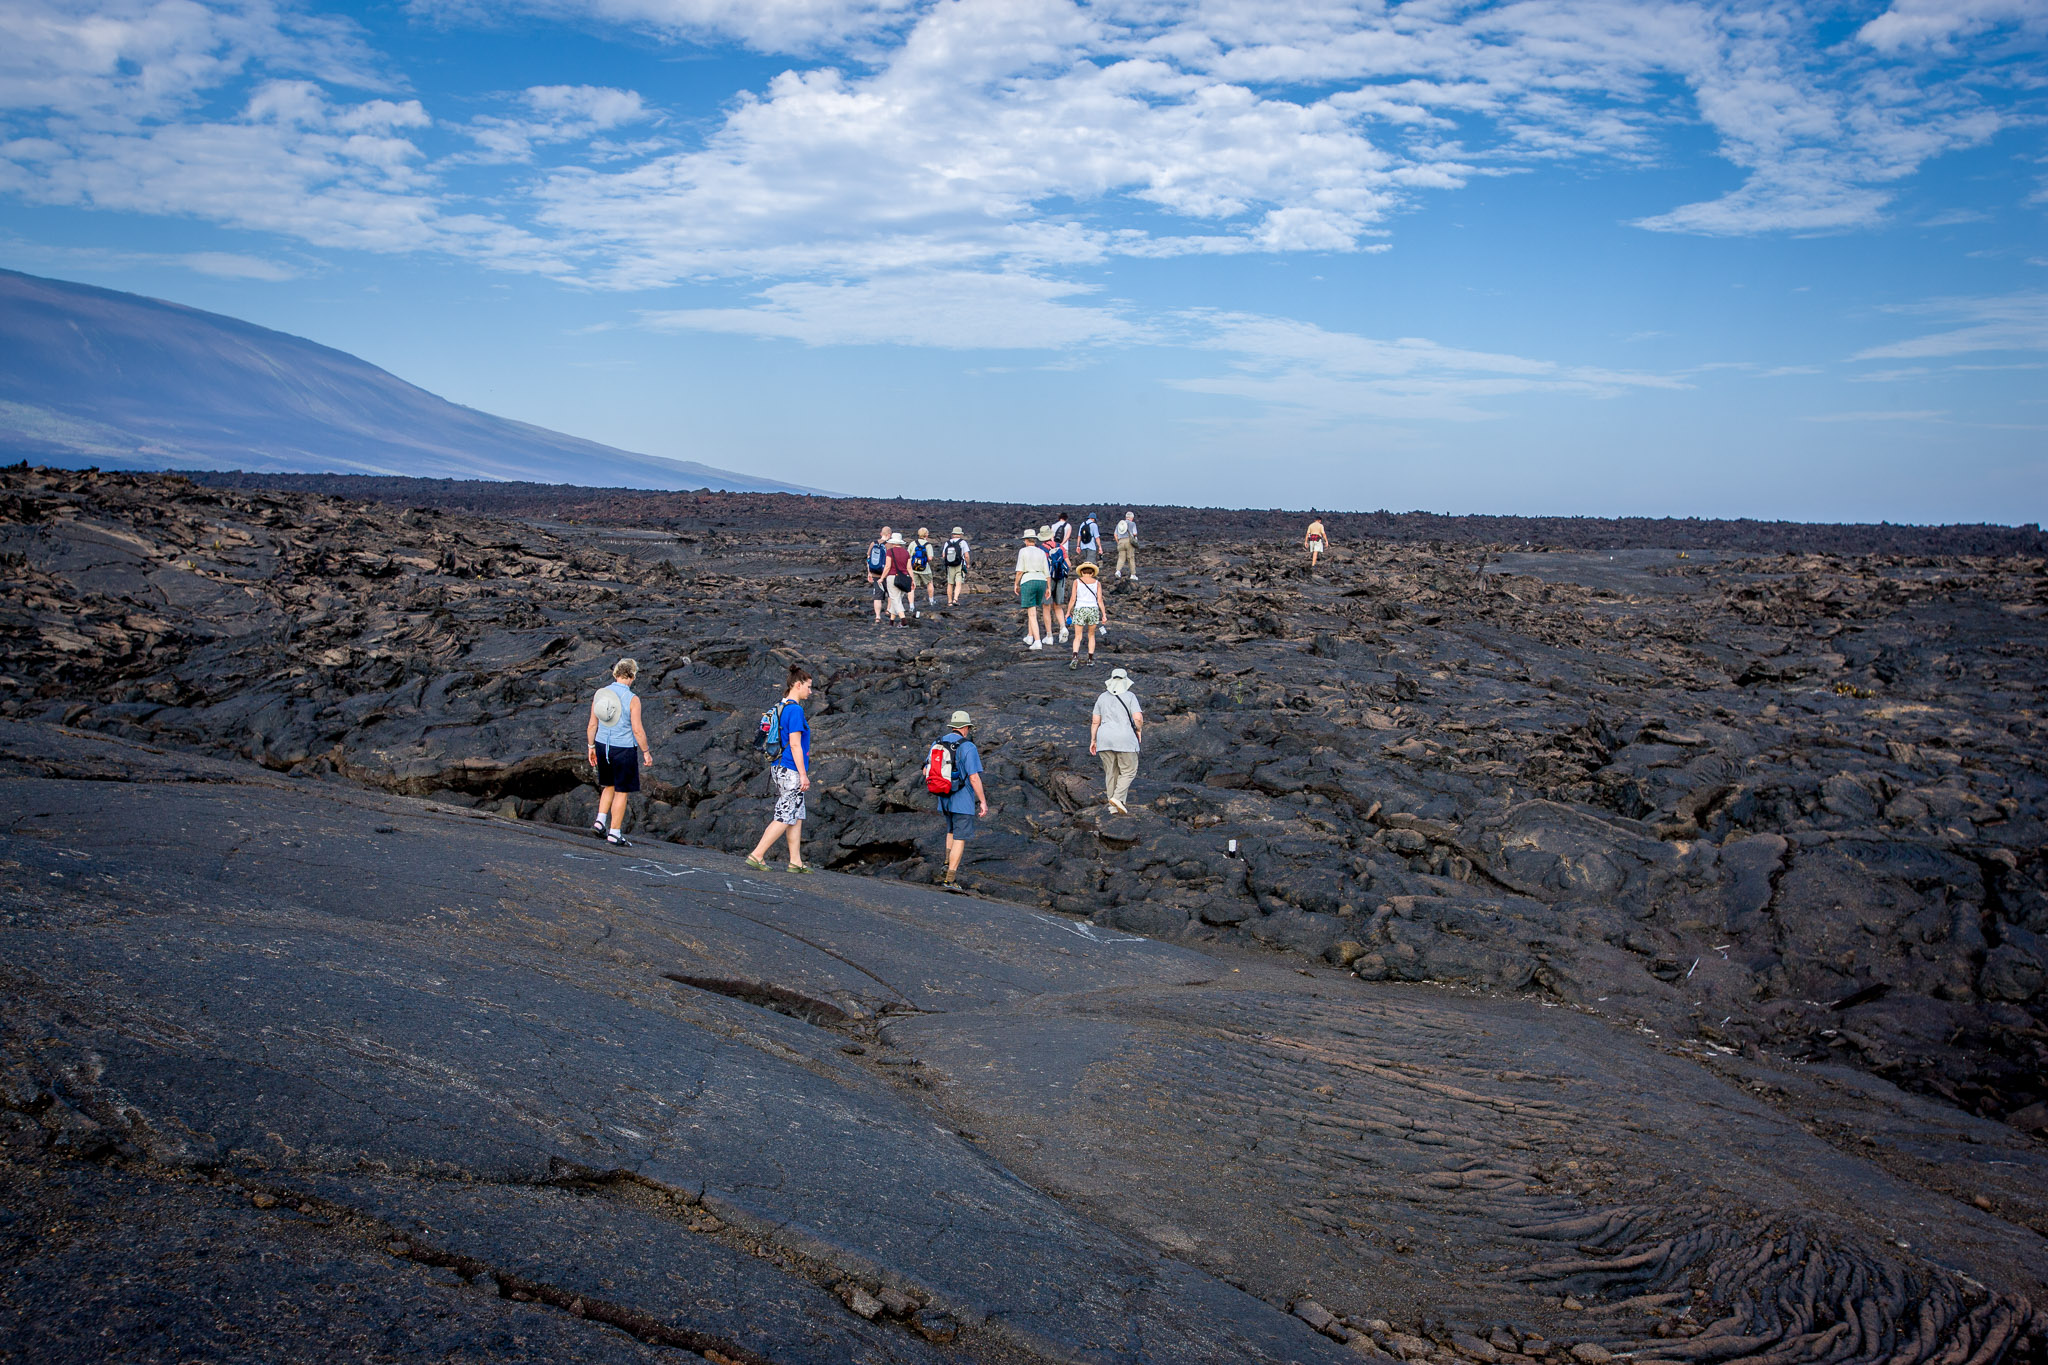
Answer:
(961, 825)
(618, 768)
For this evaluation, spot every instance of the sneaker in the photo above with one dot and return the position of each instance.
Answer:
(1119, 807)
(618, 840)
(1063, 635)
(757, 865)
(1038, 644)
(1074, 663)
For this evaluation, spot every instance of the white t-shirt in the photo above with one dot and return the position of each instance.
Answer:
(1059, 532)
(1031, 563)
(1087, 594)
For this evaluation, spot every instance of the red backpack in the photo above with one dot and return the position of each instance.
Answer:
(941, 774)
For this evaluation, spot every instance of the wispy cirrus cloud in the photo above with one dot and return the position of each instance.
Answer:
(2008, 322)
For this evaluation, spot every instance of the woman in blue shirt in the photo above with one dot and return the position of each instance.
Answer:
(618, 749)
(792, 774)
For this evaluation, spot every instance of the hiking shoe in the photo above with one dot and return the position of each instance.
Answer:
(1074, 662)
(1119, 807)
(801, 869)
(618, 840)
(757, 865)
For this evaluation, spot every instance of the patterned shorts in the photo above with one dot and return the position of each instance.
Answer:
(789, 797)
(1087, 616)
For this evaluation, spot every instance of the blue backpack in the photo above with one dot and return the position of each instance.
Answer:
(1056, 560)
(878, 557)
(920, 555)
(769, 739)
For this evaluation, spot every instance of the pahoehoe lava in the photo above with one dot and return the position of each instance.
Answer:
(1629, 956)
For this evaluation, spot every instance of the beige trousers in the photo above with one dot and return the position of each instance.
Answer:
(1127, 557)
(1117, 771)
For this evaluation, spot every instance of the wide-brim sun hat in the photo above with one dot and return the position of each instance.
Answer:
(1119, 681)
(1090, 567)
(961, 718)
(1030, 534)
(896, 538)
(1045, 532)
(959, 531)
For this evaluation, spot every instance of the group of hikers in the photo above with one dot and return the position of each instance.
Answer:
(952, 771)
(1057, 579)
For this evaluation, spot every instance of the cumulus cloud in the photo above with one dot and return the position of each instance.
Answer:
(990, 137)
(551, 114)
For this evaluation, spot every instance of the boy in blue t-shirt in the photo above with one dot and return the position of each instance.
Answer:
(965, 808)
(792, 774)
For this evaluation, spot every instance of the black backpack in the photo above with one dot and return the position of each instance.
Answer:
(953, 554)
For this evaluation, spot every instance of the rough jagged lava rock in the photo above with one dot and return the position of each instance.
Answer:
(1781, 796)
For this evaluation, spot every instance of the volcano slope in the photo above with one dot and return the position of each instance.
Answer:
(1777, 814)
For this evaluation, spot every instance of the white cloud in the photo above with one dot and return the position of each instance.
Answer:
(990, 137)
(2009, 322)
(1326, 376)
(1937, 24)
(554, 114)
(956, 309)
(1907, 415)
(220, 264)
(765, 25)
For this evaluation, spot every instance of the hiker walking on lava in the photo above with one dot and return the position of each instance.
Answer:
(878, 564)
(956, 555)
(1316, 540)
(1089, 611)
(1088, 539)
(922, 554)
(1127, 545)
(1054, 539)
(952, 773)
(902, 588)
(1032, 579)
(1115, 732)
(786, 732)
(618, 750)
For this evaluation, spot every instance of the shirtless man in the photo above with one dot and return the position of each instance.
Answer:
(1316, 541)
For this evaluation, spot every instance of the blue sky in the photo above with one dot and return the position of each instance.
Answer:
(1663, 257)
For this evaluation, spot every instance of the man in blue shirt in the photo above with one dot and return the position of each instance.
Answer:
(792, 774)
(966, 807)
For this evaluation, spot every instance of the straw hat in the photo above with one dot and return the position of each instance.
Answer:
(1089, 567)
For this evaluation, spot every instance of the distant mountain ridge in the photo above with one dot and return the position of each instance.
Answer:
(92, 376)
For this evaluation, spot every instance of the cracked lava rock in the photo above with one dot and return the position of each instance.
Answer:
(1627, 955)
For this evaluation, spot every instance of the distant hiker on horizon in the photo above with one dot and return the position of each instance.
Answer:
(956, 554)
(1127, 545)
(1316, 540)
(1115, 732)
(1030, 585)
(617, 750)
(922, 554)
(787, 734)
(1089, 611)
(902, 588)
(878, 565)
(952, 773)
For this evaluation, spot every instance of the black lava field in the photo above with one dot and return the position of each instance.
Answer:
(1635, 945)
